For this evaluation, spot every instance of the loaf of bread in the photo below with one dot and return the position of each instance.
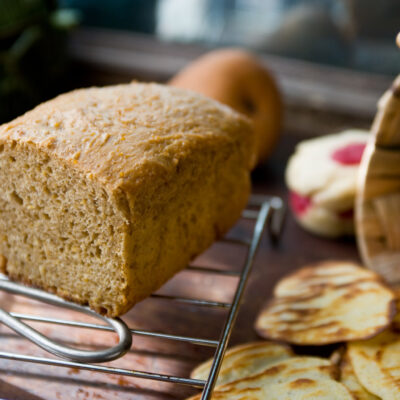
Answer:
(107, 192)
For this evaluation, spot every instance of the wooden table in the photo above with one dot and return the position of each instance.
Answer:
(317, 100)
(23, 381)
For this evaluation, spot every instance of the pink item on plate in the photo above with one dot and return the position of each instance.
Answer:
(299, 204)
(350, 154)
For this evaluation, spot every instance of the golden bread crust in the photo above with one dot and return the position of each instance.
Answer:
(114, 133)
(167, 168)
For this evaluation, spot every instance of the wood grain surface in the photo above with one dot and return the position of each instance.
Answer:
(23, 381)
(378, 194)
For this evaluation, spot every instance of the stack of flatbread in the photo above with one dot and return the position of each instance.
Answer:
(332, 302)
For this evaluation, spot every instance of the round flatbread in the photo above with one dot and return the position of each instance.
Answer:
(244, 360)
(300, 378)
(376, 363)
(333, 273)
(349, 379)
(317, 309)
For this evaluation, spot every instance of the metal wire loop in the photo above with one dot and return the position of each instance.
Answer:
(64, 351)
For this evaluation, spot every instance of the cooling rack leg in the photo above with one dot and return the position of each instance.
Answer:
(226, 333)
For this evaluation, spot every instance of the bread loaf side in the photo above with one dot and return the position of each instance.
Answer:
(107, 192)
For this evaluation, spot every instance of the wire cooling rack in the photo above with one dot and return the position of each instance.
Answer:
(268, 214)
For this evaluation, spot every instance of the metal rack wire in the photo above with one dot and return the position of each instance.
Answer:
(268, 214)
